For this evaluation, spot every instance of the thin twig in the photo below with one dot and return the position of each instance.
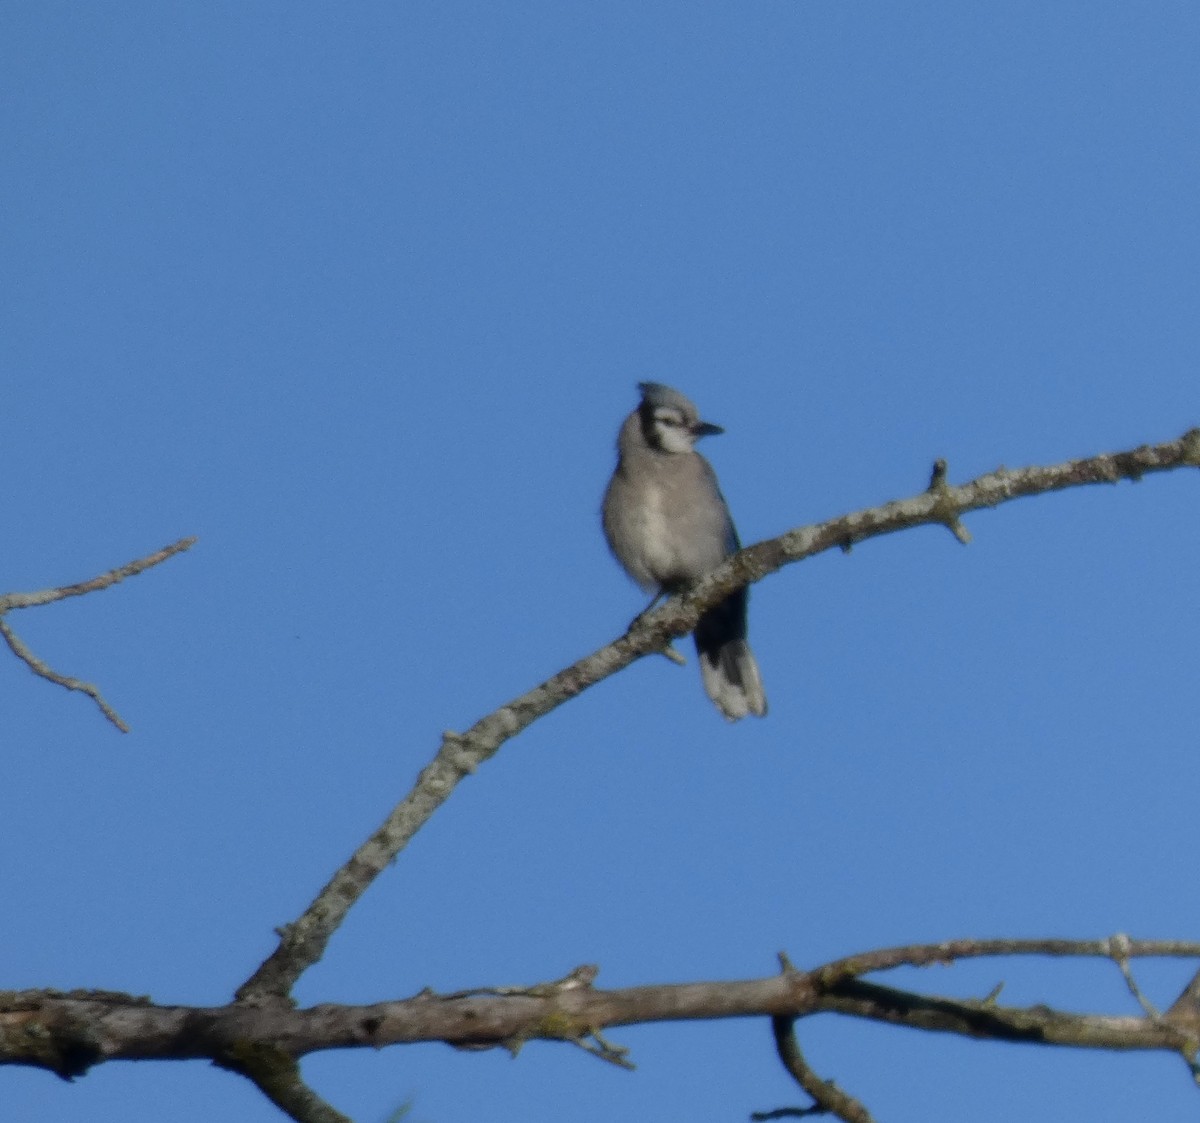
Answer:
(949, 951)
(787, 1113)
(1119, 946)
(104, 581)
(10, 601)
(828, 1098)
(27, 657)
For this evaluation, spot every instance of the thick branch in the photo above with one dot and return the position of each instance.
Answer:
(303, 942)
(68, 1033)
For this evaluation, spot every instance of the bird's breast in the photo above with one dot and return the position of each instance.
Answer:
(660, 538)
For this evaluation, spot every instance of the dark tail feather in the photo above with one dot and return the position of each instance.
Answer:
(727, 664)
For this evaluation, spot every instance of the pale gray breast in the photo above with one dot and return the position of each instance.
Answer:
(665, 519)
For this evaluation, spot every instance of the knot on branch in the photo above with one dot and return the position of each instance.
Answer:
(945, 510)
(52, 1040)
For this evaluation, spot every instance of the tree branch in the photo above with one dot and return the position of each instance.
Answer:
(67, 1033)
(10, 601)
(303, 942)
(277, 1076)
(828, 1098)
(44, 670)
(982, 1018)
(950, 951)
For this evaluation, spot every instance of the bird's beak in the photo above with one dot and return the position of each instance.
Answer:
(706, 429)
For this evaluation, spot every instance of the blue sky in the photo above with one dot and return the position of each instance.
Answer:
(360, 294)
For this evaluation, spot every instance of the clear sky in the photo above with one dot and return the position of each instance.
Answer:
(359, 294)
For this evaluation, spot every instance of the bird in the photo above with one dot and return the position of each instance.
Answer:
(667, 524)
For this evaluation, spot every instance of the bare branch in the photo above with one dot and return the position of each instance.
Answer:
(1119, 949)
(787, 1113)
(277, 1076)
(104, 581)
(828, 1098)
(69, 1033)
(949, 951)
(985, 1019)
(303, 942)
(10, 601)
(18, 648)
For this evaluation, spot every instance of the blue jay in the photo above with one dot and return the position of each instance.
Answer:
(667, 523)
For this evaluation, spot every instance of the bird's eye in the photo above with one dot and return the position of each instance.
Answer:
(669, 419)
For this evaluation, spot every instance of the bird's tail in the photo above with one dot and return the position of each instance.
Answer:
(727, 664)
